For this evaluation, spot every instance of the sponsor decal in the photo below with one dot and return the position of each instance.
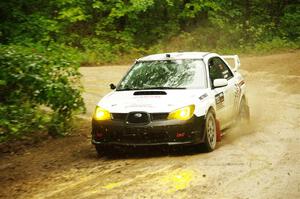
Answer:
(241, 83)
(219, 100)
(139, 106)
(225, 74)
(203, 96)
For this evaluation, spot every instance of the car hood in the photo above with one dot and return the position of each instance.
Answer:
(150, 101)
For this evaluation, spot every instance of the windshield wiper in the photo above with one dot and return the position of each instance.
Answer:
(149, 88)
(125, 89)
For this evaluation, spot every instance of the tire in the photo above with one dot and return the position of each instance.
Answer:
(106, 151)
(101, 150)
(210, 140)
(244, 112)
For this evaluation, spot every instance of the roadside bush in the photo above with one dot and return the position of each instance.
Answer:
(275, 44)
(39, 90)
(98, 52)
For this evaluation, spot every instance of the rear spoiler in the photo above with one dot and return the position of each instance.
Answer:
(236, 59)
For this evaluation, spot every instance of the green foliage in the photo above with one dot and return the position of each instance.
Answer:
(40, 88)
(291, 22)
(99, 51)
(19, 119)
(273, 45)
(109, 30)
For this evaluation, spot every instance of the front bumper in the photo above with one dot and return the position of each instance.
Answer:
(163, 132)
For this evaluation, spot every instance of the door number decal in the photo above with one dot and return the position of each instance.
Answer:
(219, 100)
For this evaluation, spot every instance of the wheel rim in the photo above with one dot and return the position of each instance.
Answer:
(211, 132)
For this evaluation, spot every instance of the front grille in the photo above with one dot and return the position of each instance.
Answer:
(153, 116)
(138, 118)
(119, 116)
(159, 116)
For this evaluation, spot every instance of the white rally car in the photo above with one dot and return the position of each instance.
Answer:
(171, 99)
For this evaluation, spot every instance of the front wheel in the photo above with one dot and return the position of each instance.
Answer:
(210, 131)
(101, 150)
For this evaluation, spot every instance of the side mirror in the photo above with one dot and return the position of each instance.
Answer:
(112, 86)
(220, 83)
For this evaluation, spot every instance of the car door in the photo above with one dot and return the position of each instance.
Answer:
(224, 96)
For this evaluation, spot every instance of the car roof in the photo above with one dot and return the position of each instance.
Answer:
(174, 55)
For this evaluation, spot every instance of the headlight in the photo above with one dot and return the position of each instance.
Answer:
(184, 113)
(101, 114)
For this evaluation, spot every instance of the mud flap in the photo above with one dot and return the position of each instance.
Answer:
(219, 133)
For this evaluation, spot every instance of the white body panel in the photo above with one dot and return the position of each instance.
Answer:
(203, 99)
(126, 101)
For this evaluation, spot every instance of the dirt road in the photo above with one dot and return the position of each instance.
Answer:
(257, 161)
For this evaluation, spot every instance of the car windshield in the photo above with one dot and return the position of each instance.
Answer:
(165, 74)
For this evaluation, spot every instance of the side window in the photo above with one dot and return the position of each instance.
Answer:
(218, 69)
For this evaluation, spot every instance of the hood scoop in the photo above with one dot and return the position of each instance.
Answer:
(150, 93)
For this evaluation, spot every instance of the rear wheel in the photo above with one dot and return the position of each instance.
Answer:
(210, 131)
